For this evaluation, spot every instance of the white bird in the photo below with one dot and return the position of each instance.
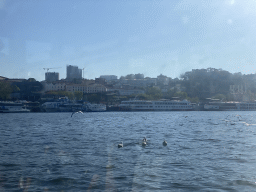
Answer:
(144, 143)
(76, 112)
(120, 145)
(164, 143)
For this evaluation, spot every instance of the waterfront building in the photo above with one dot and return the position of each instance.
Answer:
(54, 86)
(94, 88)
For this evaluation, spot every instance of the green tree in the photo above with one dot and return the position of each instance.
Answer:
(29, 89)
(78, 95)
(204, 83)
(181, 95)
(5, 90)
(143, 97)
(154, 93)
(170, 93)
(94, 98)
(15, 88)
(70, 95)
(193, 100)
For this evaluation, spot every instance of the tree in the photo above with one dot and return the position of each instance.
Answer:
(78, 95)
(5, 90)
(70, 95)
(170, 93)
(143, 97)
(94, 98)
(193, 100)
(204, 83)
(15, 88)
(154, 93)
(29, 89)
(181, 95)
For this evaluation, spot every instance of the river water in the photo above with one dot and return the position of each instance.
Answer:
(206, 151)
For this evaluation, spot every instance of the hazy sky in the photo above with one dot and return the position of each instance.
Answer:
(111, 37)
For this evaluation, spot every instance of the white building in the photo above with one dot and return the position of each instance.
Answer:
(54, 86)
(108, 77)
(94, 88)
(139, 82)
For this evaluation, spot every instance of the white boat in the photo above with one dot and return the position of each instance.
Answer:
(51, 106)
(230, 106)
(211, 107)
(160, 105)
(62, 105)
(91, 107)
(12, 107)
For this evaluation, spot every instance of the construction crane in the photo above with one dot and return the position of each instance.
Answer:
(51, 68)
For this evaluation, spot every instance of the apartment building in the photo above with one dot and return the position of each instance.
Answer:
(94, 88)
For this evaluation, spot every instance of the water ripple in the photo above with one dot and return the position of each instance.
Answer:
(206, 151)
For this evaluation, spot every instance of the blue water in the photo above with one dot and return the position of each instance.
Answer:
(206, 151)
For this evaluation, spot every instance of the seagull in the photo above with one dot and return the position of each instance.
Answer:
(144, 143)
(120, 145)
(76, 112)
(164, 143)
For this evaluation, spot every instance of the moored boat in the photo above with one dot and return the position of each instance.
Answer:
(92, 107)
(159, 105)
(230, 106)
(13, 107)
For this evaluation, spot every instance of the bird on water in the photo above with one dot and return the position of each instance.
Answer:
(120, 145)
(144, 141)
(76, 112)
(164, 143)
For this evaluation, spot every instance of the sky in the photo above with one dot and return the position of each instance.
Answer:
(126, 37)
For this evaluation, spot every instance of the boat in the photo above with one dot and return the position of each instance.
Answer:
(246, 106)
(158, 105)
(92, 107)
(230, 106)
(62, 105)
(65, 105)
(71, 107)
(13, 107)
(208, 107)
(51, 106)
